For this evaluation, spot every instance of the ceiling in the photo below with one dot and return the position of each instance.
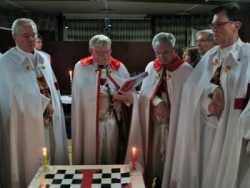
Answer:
(116, 8)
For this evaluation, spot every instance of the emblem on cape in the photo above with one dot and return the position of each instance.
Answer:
(226, 68)
(157, 75)
(29, 66)
(42, 66)
(109, 70)
(168, 76)
(216, 61)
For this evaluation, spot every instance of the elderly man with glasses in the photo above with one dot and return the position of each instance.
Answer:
(31, 115)
(97, 122)
(219, 87)
(204, 41)
(155, 112)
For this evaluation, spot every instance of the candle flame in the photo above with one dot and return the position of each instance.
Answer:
(70, 75)
(133, 149)
(44, 151)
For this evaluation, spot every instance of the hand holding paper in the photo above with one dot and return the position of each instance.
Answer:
(125, 93)
(132, 82)
(125, 97)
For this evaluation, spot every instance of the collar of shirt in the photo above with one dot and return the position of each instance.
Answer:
(114, 63)
(101, 67)
(26, 54)
(30, 60)
(234, 49)
(173, 66)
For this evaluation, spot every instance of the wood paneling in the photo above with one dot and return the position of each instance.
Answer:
(6, 40)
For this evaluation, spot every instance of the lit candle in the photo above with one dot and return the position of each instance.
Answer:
(70, 75)
(45, 158)
(133, 157)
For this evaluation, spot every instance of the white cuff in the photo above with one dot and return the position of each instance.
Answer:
(247, 136)
(157, 100)
(248, 147)
(45, 101)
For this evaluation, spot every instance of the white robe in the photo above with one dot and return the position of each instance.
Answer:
(84, 112)
(21, 119)
(223, 160)
(139, 130)
(59, 153)
(45, 55)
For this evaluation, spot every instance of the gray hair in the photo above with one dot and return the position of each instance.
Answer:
(168, 38)
(99, 40)
(18, 23)
(208, 32)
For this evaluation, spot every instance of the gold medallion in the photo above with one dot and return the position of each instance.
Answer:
(226, 68)
(216, 61)
(168, 76)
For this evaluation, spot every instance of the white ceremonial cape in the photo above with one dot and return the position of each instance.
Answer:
(223, 162)
(45, 55)
(85, 109)
(60, 153)
(21, 119)
(140, 123)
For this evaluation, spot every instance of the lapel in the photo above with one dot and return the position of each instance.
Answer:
(44, 70)
(151, 83)
(240, 71)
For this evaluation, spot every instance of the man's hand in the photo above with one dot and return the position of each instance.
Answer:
(50, 110)
(48, 114)
(125, 97)
(246, 145)
(217, 104)
(161, 112)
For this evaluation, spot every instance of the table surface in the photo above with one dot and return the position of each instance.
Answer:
(66, 99)
(136, 176)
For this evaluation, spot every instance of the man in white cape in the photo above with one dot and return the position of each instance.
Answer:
(22, 106)
(95, 131)
(227, 162)
(156, 109)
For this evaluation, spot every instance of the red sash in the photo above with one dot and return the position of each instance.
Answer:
(241, 103)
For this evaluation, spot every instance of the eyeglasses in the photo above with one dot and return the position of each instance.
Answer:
(218, 24)
(102, 52)
(202, 40)
(164, 53)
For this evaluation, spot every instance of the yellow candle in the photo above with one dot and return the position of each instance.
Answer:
(45, 157)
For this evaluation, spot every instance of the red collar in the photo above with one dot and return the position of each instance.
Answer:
(174, 65)
(114, 63)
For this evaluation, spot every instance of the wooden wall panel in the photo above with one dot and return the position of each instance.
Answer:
(6, 40)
